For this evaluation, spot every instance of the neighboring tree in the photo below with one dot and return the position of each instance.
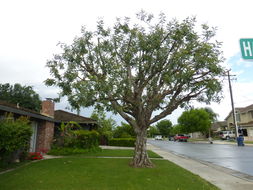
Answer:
(124, 131)
(194, 120)
(105, 125)
(164, 127)
(136, 69)
(176, 129)
(24, 96)
(212, 115)
(152, 131)
(66, 133)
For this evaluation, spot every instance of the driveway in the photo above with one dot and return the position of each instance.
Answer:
(228, 156)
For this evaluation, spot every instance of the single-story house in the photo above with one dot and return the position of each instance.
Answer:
(45, 122)
(64, 116)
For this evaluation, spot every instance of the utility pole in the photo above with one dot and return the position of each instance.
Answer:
(232, 103)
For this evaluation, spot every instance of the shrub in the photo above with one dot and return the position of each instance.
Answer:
(104, 137)
(85, 139)
(125, 142)
(14, 137)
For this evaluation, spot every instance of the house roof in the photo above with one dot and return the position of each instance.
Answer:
(245, 109)
(8, 107)
(218, 124)
(64, 116)
(59, 115)
(242, 110)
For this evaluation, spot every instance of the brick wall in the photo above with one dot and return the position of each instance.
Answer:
(45, 136)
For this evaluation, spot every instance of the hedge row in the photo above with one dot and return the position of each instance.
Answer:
(79, 139)
(86, 139)
(124, 142)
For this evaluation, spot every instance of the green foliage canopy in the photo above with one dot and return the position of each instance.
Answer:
(177, 129)
(194, 120)
(135, 69)
(25, 96)
(124, 131)
(105, 125)
(152, 131)
(164, 127)
(212, 115)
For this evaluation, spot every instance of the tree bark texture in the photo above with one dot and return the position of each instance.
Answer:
(141, 159)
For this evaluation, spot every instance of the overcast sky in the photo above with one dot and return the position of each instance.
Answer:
(31, 29)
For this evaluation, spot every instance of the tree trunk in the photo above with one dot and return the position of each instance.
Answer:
(141, 159)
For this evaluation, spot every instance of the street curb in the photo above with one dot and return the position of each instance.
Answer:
(218, 142)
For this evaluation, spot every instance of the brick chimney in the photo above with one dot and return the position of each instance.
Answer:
(45, 127)
(48, 107)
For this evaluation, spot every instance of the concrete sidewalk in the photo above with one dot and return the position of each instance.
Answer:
(221, 177)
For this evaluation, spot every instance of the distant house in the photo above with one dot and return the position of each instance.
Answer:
(216, 127)
(244, 119)
(219, 126)
(197, 135)
(45, 122)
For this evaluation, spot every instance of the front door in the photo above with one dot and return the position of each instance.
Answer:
(33, 137)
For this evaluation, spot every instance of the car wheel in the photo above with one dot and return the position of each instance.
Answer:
(227, 137)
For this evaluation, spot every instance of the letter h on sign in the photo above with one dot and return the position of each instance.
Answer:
(246, 48)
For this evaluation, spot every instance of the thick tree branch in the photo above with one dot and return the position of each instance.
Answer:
(118, 108)
(174, 105)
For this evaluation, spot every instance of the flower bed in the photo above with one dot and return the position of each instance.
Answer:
(35, 156)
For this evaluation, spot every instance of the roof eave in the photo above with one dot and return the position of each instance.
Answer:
(26, 113)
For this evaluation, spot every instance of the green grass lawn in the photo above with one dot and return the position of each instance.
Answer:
(119, 153)
(193, 139)
(107, 153)
(13, 165)
(100, 174)
(248, 142)
(101, 153)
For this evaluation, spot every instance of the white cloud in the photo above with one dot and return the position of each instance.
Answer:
(31, 29)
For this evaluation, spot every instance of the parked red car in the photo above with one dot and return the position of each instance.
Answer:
(181, 138)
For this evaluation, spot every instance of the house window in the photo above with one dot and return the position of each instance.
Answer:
(251, 114)
(237, 116)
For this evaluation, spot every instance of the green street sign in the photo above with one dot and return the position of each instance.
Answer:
(247, 48)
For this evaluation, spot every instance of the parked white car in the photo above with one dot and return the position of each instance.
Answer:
(158, 137)
(227, 135)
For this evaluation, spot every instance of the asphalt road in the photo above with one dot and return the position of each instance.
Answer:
(228, 156)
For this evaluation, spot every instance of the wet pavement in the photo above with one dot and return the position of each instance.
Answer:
(228, 156)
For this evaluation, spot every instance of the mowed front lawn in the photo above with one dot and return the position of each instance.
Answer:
(100, 174)
(103, 153)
